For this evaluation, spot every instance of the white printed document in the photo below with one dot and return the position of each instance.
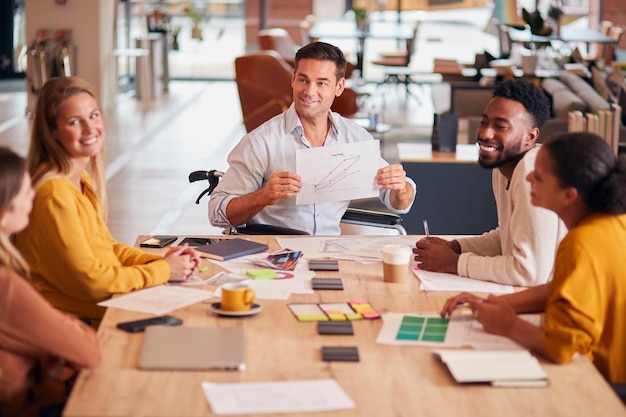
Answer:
(439, 281)
(364, 249)
(338, 173)
(276, 397)
(158, 300)
(429, 329)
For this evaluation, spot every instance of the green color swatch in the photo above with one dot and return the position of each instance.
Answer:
(426, 329)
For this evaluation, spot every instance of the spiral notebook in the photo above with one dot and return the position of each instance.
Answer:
(193, 348)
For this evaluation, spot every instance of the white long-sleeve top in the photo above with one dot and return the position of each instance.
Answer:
(521, 250)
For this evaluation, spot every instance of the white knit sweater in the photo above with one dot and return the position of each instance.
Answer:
(521, 250)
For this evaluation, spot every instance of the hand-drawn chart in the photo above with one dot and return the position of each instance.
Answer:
(337, 173)
(345, 169)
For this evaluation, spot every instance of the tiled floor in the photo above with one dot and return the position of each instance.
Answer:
(150, 152)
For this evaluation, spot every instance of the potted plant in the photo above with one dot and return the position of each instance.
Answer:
(175, 33)
(360, 17)
(535, 21)
(555, 12)
(196, 31)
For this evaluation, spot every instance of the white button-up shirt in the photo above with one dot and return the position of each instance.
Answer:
(272, 148)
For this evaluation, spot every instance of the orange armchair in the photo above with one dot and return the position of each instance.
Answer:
(279, 40)
(264, 83)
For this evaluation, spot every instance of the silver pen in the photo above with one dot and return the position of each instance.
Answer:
(426, 228)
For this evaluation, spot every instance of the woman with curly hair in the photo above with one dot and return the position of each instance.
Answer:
(579, 178)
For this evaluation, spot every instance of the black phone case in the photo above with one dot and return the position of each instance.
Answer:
(140, 325)
(163, 241)
(198, 241)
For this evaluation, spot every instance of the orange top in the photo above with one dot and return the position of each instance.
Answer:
(40, 348)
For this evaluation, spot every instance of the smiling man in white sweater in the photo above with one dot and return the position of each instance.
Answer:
(521, 250)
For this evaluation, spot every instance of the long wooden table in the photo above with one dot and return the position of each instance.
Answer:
(388, 380)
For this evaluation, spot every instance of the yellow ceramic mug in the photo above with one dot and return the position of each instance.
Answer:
(237, 296)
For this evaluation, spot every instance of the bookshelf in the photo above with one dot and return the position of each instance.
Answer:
(605, 123)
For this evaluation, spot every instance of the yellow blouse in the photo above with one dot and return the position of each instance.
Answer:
(74, 260)
(587, 298)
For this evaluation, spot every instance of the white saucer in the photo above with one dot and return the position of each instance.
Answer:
(217, 309)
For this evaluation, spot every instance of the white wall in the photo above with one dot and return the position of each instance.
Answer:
(91, 23)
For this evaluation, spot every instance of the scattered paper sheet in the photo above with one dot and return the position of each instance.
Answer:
(466, 330)
(437, 281)
(460, 330)
(271, 289)
(364, 249)
(276, 397)
(194, 280)
(370, 247)
(158, 300)
(276, 289)
(338, 173)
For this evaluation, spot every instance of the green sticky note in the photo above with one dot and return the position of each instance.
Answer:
(265, 273)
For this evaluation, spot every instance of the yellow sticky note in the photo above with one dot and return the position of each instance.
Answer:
(262, 273)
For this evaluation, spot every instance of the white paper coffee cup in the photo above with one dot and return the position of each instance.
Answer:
(396, 260)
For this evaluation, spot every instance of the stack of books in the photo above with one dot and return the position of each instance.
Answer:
(605, 123)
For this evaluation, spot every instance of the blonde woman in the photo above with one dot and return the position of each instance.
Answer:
(40, 348)
(73, 257)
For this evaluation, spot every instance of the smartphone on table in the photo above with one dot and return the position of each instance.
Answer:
(158, 241)
(140, 325)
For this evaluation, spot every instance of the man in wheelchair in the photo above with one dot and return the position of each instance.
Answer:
(260, 183)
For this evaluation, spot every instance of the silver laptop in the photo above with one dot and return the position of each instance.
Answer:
(193, 348)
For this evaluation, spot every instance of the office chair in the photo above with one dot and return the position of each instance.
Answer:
(347, 103)
(595, 51)
(396, 65)
(279, 40)
(264, 84)
(305, 27)
(263, 81)
(504, 41)
(609, 53)
(354, 221)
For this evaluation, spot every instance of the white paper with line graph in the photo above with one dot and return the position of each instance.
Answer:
(338, 173)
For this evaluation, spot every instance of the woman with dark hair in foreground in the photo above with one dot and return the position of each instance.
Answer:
(579, 178)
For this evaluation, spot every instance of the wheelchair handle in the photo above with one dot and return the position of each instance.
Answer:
(213, 176)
